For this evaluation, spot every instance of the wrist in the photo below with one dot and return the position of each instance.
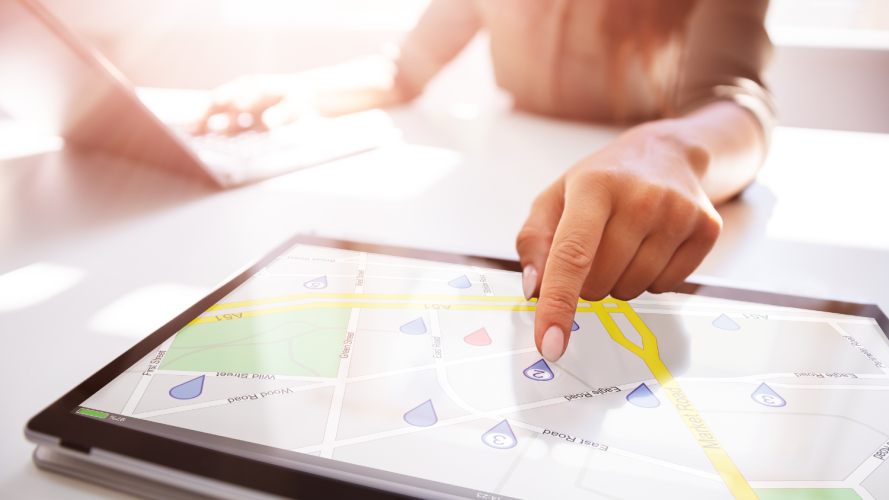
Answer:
(675, 137)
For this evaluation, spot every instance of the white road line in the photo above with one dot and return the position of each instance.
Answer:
(766, 376)
(291, 275)
(180, 409)
(870, 464)
(393, 433)
(400, 371)
(668, 465)
(301, 275)
(861, 348)
(758, 379)
(834, 387)
(486, 285)
(362, 267)
(719, 305)
(863, 493)
(329, 442)
(442, 374)
(496, 416)
(147, 375)
(457, 301)
(798, 484)
(339, 391)
(419, 368)
(241, 398)
(456, 268)
(490, 356)
(808, 319)
(243, 376)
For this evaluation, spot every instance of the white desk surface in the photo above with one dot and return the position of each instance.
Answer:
(138, 246)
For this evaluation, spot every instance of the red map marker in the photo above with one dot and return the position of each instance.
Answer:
(478, 338)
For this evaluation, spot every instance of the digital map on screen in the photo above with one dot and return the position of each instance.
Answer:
(430, 370)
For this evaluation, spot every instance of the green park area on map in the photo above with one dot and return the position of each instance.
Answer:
(297, 343)
(806, 494)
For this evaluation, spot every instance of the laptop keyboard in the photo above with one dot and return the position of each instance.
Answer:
(245, 146)
(255, 155)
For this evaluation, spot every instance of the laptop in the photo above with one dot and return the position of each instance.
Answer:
(56, 81)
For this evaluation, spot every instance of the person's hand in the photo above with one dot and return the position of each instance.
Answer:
(260, 102)
(632, 217)
(253, 102)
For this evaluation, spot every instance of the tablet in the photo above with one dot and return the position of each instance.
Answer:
(334, 369)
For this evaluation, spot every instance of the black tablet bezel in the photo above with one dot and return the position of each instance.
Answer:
(265, 468)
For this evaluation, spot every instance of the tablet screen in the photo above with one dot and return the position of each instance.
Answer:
(429, 370)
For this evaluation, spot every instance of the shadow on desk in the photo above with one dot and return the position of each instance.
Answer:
(53, 194)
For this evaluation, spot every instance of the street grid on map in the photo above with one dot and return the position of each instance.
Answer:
(342, 354)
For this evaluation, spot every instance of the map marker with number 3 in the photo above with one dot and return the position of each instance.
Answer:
(766, 396)
(500, 436)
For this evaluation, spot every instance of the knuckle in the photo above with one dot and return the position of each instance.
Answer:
(710, 227)
(596, 179)
(556, 302)
(626, 293)
(646, 205)
(681, 217)
(592, 293)
(662, 286)
(572, 256)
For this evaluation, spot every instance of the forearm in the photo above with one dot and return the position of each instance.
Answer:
(350, 87)
(722, 141)
(377, 81)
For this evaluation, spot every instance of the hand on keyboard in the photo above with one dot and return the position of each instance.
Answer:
(263, 102)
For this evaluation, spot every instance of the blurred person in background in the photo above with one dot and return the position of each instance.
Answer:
(637, 215)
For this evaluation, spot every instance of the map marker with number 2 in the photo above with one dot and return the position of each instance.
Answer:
(540, 371)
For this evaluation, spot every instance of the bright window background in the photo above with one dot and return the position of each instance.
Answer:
(830, 14)
(202, 43)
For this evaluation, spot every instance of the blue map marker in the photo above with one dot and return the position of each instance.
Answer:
(723, 322)
(422, 416)
(575, 327)
(500, 437)
(539, 371)
(461, 282)
(643, 397)
(188, 390)
(316, 283)
(415, 327)
(766, 396)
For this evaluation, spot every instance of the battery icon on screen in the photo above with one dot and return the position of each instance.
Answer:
(92, 413)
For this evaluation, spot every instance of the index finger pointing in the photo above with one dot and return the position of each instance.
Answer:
(571, 256)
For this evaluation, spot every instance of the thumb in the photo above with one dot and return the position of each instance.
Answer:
(286, 111)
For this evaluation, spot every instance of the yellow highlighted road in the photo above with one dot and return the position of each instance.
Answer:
(693, 420)
(362, 305)
(648, 352)
(301, 296)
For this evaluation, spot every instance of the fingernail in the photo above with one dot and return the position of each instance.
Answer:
(553, 344)
(529, 281)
